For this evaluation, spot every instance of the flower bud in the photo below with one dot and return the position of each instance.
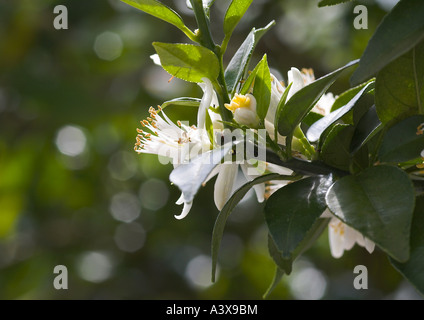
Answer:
(244, 109)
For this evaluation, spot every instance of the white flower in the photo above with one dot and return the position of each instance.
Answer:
(244, 109)
(178, 142)
(298, 80)
(342, 237)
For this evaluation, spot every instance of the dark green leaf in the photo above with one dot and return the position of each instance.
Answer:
(413, 269)
(159, 10)
(235, 12)
(335, 149)
(324, 3)
(247, 85)
(379, 203)
(402, 142)
(219, 226)
(183, 101)
(311, 236)
(285, 264)
(189, 177)
(262, 88)
(399, 88)
(368, 126)
(298, 106)
(292, 211)
(188, 62)
(315, 131)
(239, 64)
(282, 264)
(275, 281)
(398, 33)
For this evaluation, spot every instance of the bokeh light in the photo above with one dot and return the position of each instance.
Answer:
(71, 140)
(108, 46)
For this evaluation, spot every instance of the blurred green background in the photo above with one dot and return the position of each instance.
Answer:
(73, 192)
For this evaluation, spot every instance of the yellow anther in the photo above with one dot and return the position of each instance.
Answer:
(239, 101)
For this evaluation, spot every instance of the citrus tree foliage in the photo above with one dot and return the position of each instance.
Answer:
(329, 160)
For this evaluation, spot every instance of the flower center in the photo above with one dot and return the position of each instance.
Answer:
(239, 101)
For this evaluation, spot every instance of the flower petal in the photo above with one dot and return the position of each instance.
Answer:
(205, 103)
(224, 184)
(336, 238)
(295, 77)
(186, 210)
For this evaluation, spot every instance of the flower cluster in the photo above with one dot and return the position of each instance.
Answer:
(180, 143)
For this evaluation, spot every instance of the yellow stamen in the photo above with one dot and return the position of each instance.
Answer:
(420, 129)
(239, 101)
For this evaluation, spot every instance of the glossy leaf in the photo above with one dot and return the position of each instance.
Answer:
(335, 149)
(159, 10)
(188, 62)
(239, 64)
(379, 203)
(315, 131)
(298, 106)
(183, 101)
(285, 264)
(368, 126)
(235, 12)
(262, 88)
(221, 220)
(291, 211)
(324, 3)
(399, 88)
(398, 33)
(413, 269)
(189, 177)
(404, 141)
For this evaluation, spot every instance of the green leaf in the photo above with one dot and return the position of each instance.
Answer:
(206, 5)
(188, 62)
(398, 33)
(292, 211)
(311, 236)
(235, 12)
(399, 88)
(335, 149)
(346, 96)
(161, 11)
(262, 88)
(315, 131)
(183, 101)
(324, 3)
(218, 229)
(239, 64)
(247, 85)
(402, 142)
(413, 269)
(298, 106)
(282, 264)
(275, 281)
(189, 177)
(379, 203)
(368, 126)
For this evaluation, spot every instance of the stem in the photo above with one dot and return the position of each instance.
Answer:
(289, 140)
(205, 36)
(312, 168)
(417, 89)
(190, 34)
(206, 40)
